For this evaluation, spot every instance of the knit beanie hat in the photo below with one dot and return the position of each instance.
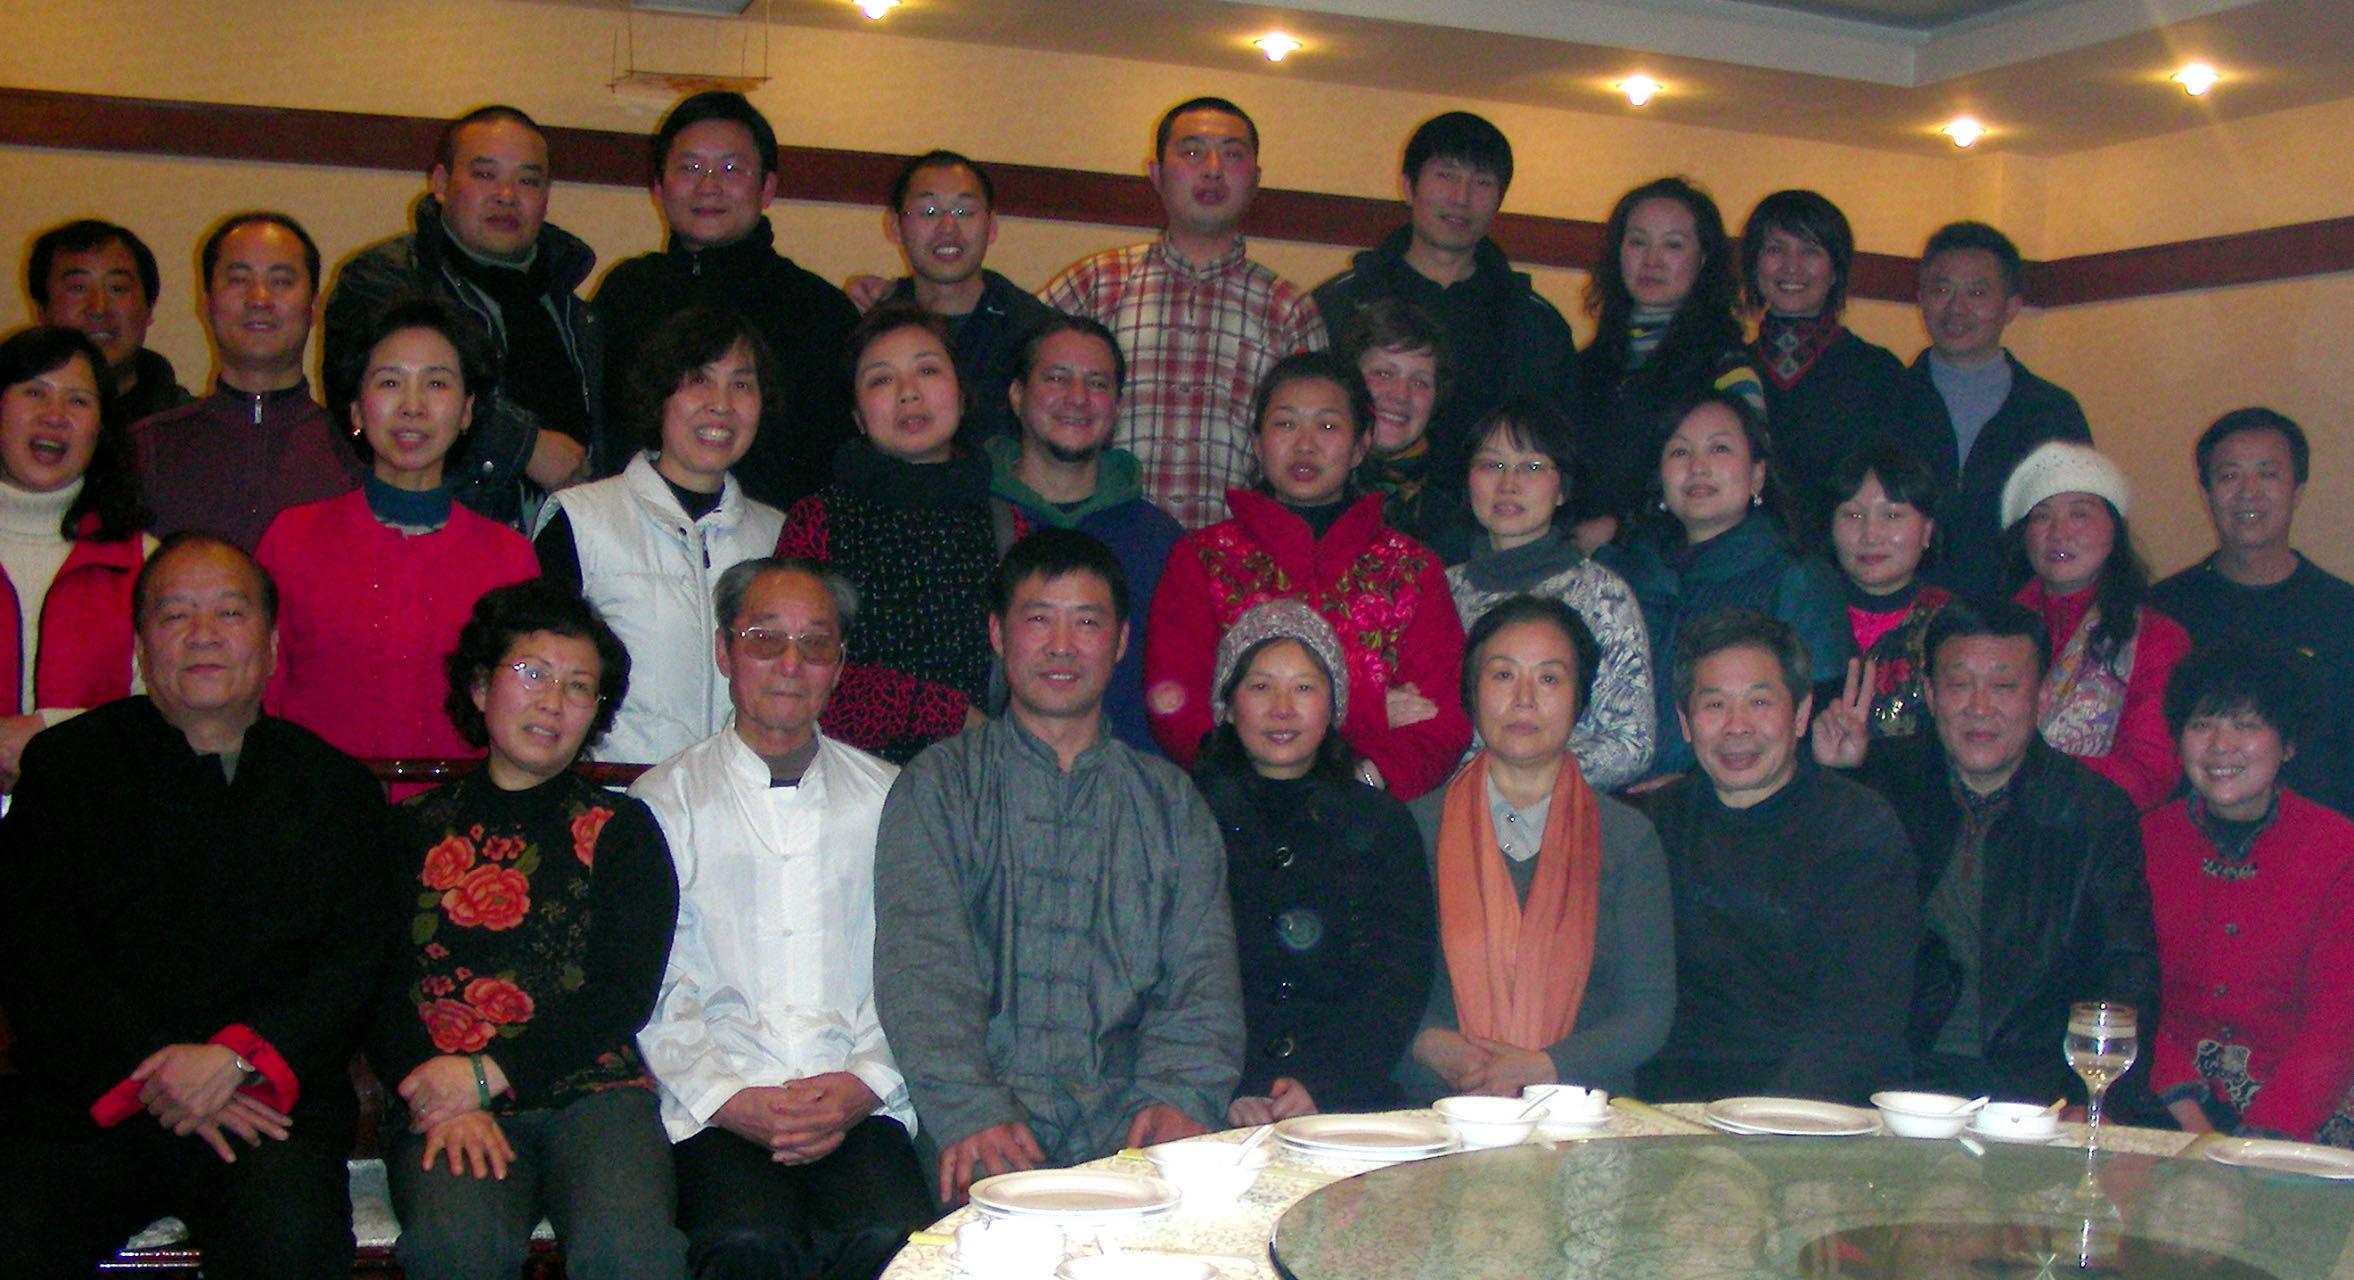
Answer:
(2060, 467)
(1281, 620)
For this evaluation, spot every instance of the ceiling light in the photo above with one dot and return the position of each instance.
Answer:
(1638, 89)
(876, 8)
(1276, 45)
(2196, 79)
(1964, 131)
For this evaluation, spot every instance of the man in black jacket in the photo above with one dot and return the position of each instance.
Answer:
(483, 241)
(2030, 868)
(1973, 397)
(715, 173)
(1504, 338)
(188, 951)
(101, 278)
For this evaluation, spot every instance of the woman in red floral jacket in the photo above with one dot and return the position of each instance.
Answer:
(531, 915)
(1306, 534)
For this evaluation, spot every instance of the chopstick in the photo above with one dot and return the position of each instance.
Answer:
(1646, 1111)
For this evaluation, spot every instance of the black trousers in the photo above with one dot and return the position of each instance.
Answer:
(839, 1218)
(281, 1212)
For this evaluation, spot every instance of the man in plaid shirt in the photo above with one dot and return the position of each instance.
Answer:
(1200, 321)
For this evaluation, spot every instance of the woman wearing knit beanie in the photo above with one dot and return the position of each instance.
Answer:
(2066, 539)
(1333, 918)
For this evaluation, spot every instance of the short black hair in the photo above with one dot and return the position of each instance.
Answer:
(1052, 553)
(680, 345)
(714, 104)
(2253, 419)
(1810, 216)
(2239, 676)
(1513, 610)
(1462, 137)
(727, 595)
(940, 158)
(1316, 366)
(110, 484)
(506, 614)
(1026, 348)
(88, 235)
(1754, 433)
(209, 256)
(1534, 424)
(1715, 632)
(445, 152)
(1964, 618)
(1160, 133)
(1976, 235)
(478, 366)
(1394, 324)
(187, 539)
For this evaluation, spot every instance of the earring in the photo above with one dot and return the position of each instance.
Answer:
(1757, 499)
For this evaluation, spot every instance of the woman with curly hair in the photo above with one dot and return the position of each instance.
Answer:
(1664, 298)
(531, 913)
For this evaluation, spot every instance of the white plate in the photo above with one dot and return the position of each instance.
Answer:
(1369, 1137)
(1073, 1195)
(2284, 1157)
(1135, 1265)
(1789, 1117)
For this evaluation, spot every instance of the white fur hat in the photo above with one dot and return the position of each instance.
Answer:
(2059, 467)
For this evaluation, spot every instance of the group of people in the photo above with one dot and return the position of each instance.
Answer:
(1412, 704)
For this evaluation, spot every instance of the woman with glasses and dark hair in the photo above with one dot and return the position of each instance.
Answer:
(647, 546)
(529, 921)
(1664, 296)
(2252, 891)
(1522, 475)
(373, 585)
(70, 535)
(1827, 391)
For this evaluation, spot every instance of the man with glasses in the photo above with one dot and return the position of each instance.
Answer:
(714, 176)
(942, 217)
(791, 1122)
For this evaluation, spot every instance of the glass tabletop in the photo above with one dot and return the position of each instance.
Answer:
(1698, 1208)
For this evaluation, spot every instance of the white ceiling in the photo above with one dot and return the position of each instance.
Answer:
(2049, 76)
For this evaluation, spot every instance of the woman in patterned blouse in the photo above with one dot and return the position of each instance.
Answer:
(531, 914)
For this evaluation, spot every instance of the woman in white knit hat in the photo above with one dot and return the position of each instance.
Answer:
(2066, 537)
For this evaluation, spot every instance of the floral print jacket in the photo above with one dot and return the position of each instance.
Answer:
(529, 926)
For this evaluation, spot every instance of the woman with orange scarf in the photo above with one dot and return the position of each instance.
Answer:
(1555, 927)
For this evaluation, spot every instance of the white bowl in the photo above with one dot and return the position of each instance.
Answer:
(2016, 1122)
(1488, 1122)
(1131, 1265)
(1569, 1106)
(1922, 1115)
(1209, 1174)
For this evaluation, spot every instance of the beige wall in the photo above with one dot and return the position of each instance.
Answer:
(2150, 372)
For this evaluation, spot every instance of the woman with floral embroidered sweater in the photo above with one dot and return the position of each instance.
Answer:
(907, 520)
(1307, 534)
(373, 585)
(70, 540)
(2252, 892)
(531, 914)
(2064, 527)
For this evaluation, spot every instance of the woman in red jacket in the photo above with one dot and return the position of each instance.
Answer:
(2252, 892)
(70, 540)
(2064, 519)
(1306, 533)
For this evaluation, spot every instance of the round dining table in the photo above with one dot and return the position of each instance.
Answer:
(1656, 1194)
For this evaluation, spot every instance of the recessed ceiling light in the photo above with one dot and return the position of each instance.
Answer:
(1638, 89)
(1276, 45)
(2196, 79)
(876, 8)
(1963, 130)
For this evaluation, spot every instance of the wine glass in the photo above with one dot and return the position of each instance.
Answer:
(2102, 1043)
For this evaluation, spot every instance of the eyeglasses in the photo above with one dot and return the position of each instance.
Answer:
(694, 171)
(1530, 469)
(537, 680)
(763, 645)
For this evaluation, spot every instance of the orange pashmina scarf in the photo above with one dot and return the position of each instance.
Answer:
(1518, 970)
